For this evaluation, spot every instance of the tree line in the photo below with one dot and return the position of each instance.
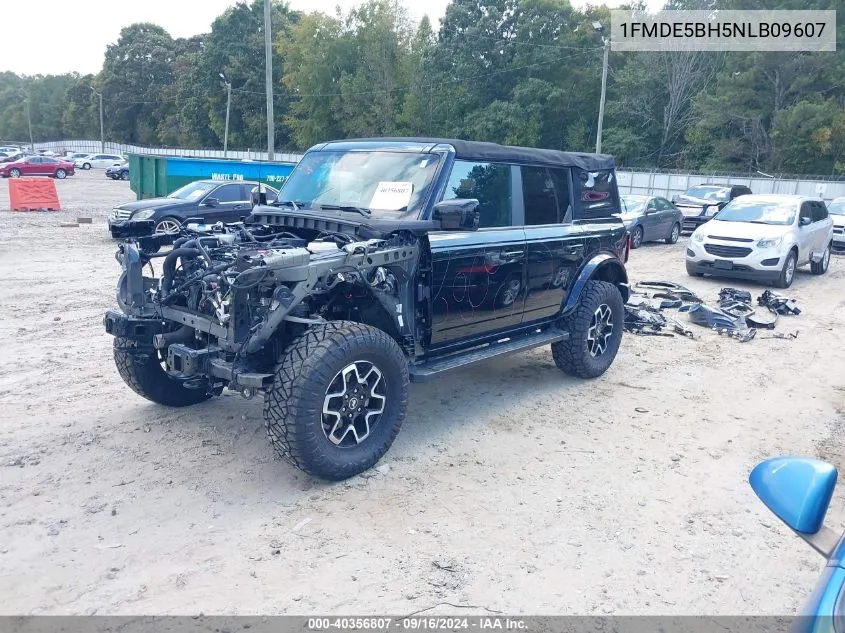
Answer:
(524, 72)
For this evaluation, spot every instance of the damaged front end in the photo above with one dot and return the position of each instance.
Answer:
(229, 298)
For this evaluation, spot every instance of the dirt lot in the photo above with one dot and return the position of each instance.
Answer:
(510, 487)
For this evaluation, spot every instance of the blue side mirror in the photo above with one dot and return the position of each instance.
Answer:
(797, 489)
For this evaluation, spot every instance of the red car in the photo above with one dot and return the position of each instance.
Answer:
(37, 166)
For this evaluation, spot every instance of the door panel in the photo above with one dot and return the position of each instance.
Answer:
(233, 203)
(651, 221)
(477, 282)
(554, 246)
(553, 255)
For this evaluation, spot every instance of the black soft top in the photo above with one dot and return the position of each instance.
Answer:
(479, 151)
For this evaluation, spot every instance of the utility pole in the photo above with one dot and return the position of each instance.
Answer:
(102, 134)
(268, 69)
(606, 42)
(29, 122)
(228, 107)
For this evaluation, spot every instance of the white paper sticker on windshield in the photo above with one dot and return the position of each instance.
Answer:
(392, 195)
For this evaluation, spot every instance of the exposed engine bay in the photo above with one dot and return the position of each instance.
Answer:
(230, 297)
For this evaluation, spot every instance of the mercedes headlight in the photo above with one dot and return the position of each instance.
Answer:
(711, 210)
(771, 242)
(146, 214)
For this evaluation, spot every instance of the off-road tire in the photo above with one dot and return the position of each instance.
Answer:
(782, 281)
(140, 369)
(820, 268)
(637, 237)
(673, 236)
(573, 356)
(293, 405)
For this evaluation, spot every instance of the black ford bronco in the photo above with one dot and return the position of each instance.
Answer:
(382, 261)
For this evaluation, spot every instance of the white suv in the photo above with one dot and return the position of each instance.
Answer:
(98, 161)
(836, 209)
(763, 238)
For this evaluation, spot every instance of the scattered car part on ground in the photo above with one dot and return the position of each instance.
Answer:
(368, 276)
(763, 238)
(777, 303)
(669, 290)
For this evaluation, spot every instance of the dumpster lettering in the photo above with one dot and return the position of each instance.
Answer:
(227, 176)
(277, 179)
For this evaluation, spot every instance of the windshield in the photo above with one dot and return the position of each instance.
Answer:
(777, 212)
(716, 194)
(837, 207)
(193, 191)
(391, 184)
(633, 204)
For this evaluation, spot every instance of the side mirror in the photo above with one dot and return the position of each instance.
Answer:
(650, 210)
(460, 214)
(798, 491)
(805, 221)
(258, 197)
(210, 202)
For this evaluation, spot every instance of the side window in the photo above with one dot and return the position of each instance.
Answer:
(489, 183)
(228, 193)
(597, 194)
(663, 204)
(539, 196)
(819, 212)
(806, 211)
(98, 157)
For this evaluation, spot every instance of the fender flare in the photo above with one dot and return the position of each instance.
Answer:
(600, 265)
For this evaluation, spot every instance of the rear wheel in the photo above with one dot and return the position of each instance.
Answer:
(142, 368)
(124, 175)
(15, 173)
(820, 267)
(674, 235)
(595, 332)
(637, 237)
(61, 174)
(787, 273)
(338, 399)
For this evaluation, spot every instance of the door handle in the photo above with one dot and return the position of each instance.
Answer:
(513, 253)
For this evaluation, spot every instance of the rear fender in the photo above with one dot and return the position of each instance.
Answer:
(602, 267)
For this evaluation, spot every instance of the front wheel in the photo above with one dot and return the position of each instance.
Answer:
(61, 174)
(674, 235)
(168, 226)
(787, 273)
(820, 267)
(637, 237)
(142, 369)
(124, 175)
(86, 166)
(595, 332)
(338, 399)
(15, 173)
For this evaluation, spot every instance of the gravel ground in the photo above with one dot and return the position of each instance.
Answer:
(510, 487)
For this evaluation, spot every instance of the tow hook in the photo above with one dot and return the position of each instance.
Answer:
(247, 393)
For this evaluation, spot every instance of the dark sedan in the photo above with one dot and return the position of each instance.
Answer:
(211, 200)
(118, 172)
(700, 203)
(651, 218)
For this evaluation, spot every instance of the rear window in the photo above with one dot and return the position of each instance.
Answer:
(597, 194)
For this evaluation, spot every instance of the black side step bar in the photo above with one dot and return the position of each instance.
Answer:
(420, 372)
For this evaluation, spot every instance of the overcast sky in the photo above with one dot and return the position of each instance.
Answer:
(59, 36)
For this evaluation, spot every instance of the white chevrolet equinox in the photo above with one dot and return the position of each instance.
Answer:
(763, 238)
